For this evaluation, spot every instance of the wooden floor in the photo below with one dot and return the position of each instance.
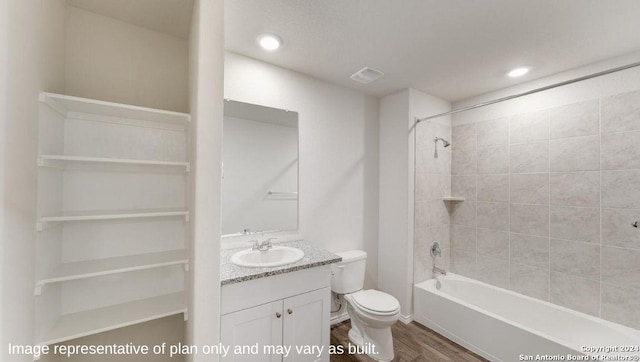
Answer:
(411, 342)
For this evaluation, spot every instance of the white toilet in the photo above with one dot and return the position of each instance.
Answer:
(372, 312)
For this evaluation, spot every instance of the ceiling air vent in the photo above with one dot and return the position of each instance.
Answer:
(366, 75)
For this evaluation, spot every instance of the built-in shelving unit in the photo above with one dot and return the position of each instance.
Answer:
(111, 215)
(84, 323)
(62, 161)
(76, 107)
(112, 220)
(453, 198)
(99, 267)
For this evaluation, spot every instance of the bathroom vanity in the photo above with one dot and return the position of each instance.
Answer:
(288, 306)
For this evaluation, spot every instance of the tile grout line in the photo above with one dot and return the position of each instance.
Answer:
(600, 206)
(476, 202)
(549, 206)
(509, 201)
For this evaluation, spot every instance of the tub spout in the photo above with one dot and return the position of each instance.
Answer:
(437, 271)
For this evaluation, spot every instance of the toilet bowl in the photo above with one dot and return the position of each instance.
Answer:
(372, 312)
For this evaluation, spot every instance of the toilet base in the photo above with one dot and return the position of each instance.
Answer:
(363, 335)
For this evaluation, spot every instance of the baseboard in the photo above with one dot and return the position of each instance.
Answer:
(339, 317)
(406, 319)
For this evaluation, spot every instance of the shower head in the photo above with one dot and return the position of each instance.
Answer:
(445, 143)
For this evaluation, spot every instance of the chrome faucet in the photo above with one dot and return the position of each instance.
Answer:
(435, 249)
(436, 252)
(265, 245)
(437, 271)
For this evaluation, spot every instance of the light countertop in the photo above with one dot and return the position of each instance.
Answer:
(313, 257)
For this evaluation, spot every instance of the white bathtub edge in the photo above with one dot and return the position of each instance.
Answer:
(450, 336)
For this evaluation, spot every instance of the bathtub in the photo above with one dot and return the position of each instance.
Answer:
(501, 325)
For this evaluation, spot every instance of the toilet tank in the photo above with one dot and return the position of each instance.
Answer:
(347, 276)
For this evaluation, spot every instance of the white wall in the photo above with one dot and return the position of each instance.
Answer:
(111, 60)
(259, 157)
(4, 55)
(397, 168)
(206, 97)
(35, 62)
(338, 194)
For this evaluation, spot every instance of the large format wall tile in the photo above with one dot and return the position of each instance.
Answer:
(530, 219)
(621, 112)
(463, 237)
(427, 162)
(493, 271)
(431, 213)
(493, 160)
(575, 293)
(530, 157)
(463, 213)
(464, 137)
(493, 215)
(493, 133)
(617, 229)
(621, 189)
(575, 223)
(621, 151)
(621, 305)
(575, 189)
(425, 236)
(556, 207)
(529, 250)
(529, 188)
(493, 187)
(573, 120)
(464, 186)
(621, 267)
(575, 154)
(423, 262)
(437, 186)
(493, 244)
(575, 258)
(463, 162)
(529, 127)
(463, 262)
(530, 281)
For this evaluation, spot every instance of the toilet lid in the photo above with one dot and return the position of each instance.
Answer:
(376, 301)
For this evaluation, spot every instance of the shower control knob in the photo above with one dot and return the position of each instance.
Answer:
(634, 224)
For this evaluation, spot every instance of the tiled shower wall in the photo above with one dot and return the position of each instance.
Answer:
(432, 183)
(550, 201)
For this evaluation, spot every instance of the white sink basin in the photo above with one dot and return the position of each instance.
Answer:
(276, 256)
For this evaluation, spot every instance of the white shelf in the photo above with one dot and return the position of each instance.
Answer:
(98, 267)
(69, 106)
(112, 215)
(453, 198)
(61, 158)
(80, 324)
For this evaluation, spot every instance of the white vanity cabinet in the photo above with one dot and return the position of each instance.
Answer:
(290, 310)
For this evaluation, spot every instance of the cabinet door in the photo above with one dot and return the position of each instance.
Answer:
(306, 325)
(261, 325)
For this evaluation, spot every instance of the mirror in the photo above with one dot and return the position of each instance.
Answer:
(260, 163)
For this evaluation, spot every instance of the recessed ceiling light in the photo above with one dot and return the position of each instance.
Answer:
(269, 41)
(518, 72)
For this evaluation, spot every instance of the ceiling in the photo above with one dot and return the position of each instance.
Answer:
(171, 17)
(453, 49)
